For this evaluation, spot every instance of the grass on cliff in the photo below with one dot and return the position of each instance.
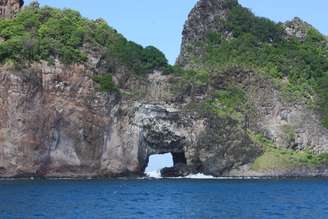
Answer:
(106, 83)
(47, 34)
(262, 45)
(277, 158)
(230, 102)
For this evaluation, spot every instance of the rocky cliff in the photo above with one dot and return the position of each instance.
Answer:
(97, 105)
(231, 47)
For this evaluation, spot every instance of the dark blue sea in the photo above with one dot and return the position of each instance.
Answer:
(164, 199)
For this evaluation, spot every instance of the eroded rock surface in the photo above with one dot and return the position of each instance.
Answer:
(55, 121)
(207, 16)
(287, 123)
(297, 28)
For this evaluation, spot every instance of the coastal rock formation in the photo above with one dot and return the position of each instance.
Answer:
(55, 123)
(289, 123)
(107, 112)
(274, 115)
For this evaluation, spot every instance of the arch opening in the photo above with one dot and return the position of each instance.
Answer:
(166, 165)
(157, 162)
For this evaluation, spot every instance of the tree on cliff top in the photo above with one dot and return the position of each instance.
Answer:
(48, 34)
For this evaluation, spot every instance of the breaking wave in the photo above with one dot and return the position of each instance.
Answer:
(199, 176)
(154, 174)
(157, 175)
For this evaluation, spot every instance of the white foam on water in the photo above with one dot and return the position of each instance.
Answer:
(154, 174)
(157, 175)
(199, 176)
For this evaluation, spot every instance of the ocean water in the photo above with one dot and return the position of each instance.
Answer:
(176, 198)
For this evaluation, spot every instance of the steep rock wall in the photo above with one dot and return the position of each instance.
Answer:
(55, 123)
(206, 17)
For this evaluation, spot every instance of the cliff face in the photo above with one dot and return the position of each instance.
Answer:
(206, 17)
(105, 114)
(56, 123)
(213, 31)
(273, 112)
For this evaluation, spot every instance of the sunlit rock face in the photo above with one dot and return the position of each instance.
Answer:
(9, 8)
(297, 28)
(288, 124)
(207, 16)
(56, 123)
(52, 122)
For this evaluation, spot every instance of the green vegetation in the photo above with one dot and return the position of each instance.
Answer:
(242, 21)
(298, 67)
(275, 157)
(106, 83)
(48, 34)
(230, 102)
(196, 77)
(289, 133)
(323, 101)
(140, 60)
(261, 44)
(43, 34)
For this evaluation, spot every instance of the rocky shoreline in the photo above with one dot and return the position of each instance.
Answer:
(300, 173)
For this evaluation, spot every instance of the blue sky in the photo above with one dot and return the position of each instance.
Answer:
(160, 22)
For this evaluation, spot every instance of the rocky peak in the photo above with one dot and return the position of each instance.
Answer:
(297, 28)
(9, 8)
(207, 16)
